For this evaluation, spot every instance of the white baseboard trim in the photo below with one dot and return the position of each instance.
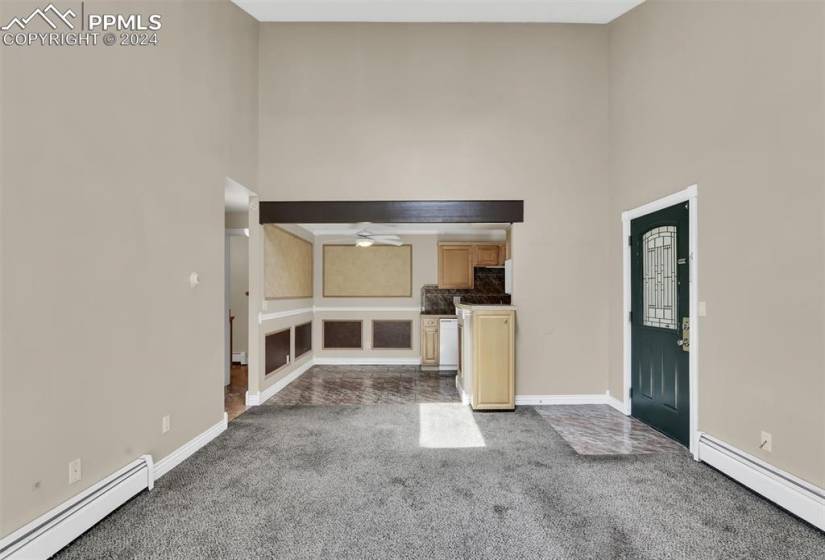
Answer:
(784, 489)
(53, 530)
(254, 399)
(183, 452)
(526, 400)
(617, 404)
(367, 361)
(465, 396)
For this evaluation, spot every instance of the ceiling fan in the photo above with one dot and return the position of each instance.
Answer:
(364, 238)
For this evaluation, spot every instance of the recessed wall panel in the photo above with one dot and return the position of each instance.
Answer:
(303, 339)
(392, 335)
(277, 350)
(377, 271)
(342, 334)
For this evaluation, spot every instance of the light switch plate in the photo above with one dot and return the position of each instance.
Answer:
(166, 424)
(703, 309)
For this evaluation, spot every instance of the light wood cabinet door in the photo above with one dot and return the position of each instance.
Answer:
(429, 343)
(489, 255)
(455, 266)
(494, 367)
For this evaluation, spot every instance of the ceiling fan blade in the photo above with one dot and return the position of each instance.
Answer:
(384, 237)
(347, 240)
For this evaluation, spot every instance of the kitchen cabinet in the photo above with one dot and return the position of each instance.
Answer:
(489, 255)
(456, 262)
(486, 377)
(429, 341)
(455, 266)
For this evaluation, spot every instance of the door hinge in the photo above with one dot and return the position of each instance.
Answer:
(630, 316)
(630, 240)
(631, 392)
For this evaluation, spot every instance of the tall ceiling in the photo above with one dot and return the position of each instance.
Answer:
(545, 11)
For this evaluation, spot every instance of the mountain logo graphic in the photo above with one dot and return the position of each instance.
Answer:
(43, 14)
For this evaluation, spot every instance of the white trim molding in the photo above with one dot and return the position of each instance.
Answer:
(53, 530)
(254, 399)
(314, 309)
(691, 195)
(527, 400)
(186, 450)
(799, 497)
(465, 396)
(282, 314)
(367, 361)
(615, 403)
(405, 308)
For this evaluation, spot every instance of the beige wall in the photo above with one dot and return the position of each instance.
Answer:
(113, 169)
(446, 111)
(730, 95)
(117, 191)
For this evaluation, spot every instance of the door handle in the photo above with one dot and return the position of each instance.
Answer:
(684, 342)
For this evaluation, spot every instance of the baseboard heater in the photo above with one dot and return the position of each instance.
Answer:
(47, 534)
(784, 489)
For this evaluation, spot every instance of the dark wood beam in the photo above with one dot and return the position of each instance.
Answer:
(393, 211)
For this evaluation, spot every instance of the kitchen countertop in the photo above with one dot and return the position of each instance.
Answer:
(485, 307)
(439, 315)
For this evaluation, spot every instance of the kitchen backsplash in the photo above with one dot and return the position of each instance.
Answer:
(489, 289)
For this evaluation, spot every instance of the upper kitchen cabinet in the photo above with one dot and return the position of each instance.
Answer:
(457, 260)
(455, 266)
(489, 255)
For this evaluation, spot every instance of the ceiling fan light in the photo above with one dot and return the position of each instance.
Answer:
(364, 243)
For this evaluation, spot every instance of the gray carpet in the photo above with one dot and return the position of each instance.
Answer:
(352, 482)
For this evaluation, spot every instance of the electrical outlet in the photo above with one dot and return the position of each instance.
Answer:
(765, 442)
(74, 471)
(166, 424)
(703, 309)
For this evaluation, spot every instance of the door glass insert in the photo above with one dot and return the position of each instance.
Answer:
(659, 277)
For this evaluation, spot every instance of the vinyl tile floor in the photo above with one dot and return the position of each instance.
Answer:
(602, 430)
(358, 385)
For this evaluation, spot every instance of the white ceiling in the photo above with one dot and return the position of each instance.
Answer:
(557, 11)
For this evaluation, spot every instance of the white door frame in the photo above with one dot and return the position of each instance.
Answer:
(690, 194)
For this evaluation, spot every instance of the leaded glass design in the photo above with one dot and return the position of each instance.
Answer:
(659, 277)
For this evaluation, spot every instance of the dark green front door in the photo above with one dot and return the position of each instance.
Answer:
(660, 381)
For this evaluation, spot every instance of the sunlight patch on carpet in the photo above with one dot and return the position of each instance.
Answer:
(448, 425)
